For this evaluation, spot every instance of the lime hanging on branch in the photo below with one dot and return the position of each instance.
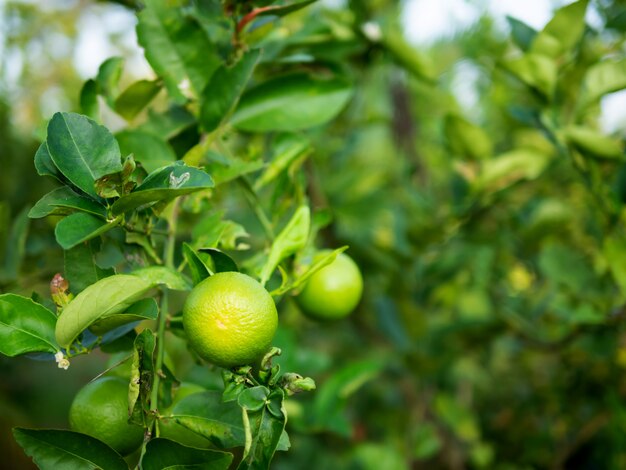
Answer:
(230, 319)
(334, 291)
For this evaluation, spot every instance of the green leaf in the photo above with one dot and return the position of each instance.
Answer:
(591, 142)
(265, 434)
(506, 169)
(163, 185)
(602, 78)
(199, 270)
(615, 256)
(169, 123)
(150, 150)
(522, 34)
(412, 60)
(108, 78)
(176, 46)
(290, 240)
(80, 227)
(254, 398)
(64, 201)
(168, 277)
(290, 103)
(144, 309)
(89, 105)
(287, 148)
(225, 168)
(466, 139)
(82, 150)
(142, 379)
(162, 454)
(535, 70)
(25, 326)
(136, 97)
(319, 263)
(44, 164)
(224, 89)
(562, 32)
(282, 10)
(15, 246)
(53, 449)
(108, 296)
(221, 261)
(81, 269)
(205, 414)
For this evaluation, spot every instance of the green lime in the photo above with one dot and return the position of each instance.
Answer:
(230, 319)
(334, 291)
(100, 409)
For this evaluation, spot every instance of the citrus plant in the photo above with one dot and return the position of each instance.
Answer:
(149, 251)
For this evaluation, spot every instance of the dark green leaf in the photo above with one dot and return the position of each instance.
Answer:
(81, 269)
(522, 34)
(253, 399)
(44, 164)
(224, 89)
(108, 296)
(142, 379)
(199, 270)
(282, 10)
(162, 454)
(53, 449)
(164, 184)
(15, 247)
(176, 46)
(169, 123)
(25, 326)
(89, 100)
(221, 261)
(63, 201)
(265, 434)
(291, 103)
(136, 97)
(80, 227)
(149, 150)
(108, 78)
(82, 150)
(205, 414)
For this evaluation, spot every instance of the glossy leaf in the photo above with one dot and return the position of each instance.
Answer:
(63, 201)
(291, 103)
(282, 10)
(287, 149)
(224, 89)
(89, 105)
(199, 270)
(291, 239)
(25, 326)
(176, 46)
(163, 275)
(562, 32)
(205, 414)
(52, 449)
(221, 261)
(108, 77)
(162, 454)
(265, 434)
(44, 164)
(163, 185)
(82, 150)
(108, 296)
(148, 149)
(144, 309)
(81, 269)
(602, 78)
(254, 398)
(136, 97)
(80, 227)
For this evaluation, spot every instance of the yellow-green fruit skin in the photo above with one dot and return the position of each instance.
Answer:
(230, 319)
(100, 409)
(334, 291)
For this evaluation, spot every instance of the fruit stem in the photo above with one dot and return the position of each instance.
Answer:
(168, 256)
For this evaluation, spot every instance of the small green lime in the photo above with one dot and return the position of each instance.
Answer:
(230, 319)
(100, 409)
(334, 291)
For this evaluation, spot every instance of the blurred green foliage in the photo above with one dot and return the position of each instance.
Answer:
(492, 239)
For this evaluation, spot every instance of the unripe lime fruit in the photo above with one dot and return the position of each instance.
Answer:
(334, 291)
(100, 409)
(230, 319)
